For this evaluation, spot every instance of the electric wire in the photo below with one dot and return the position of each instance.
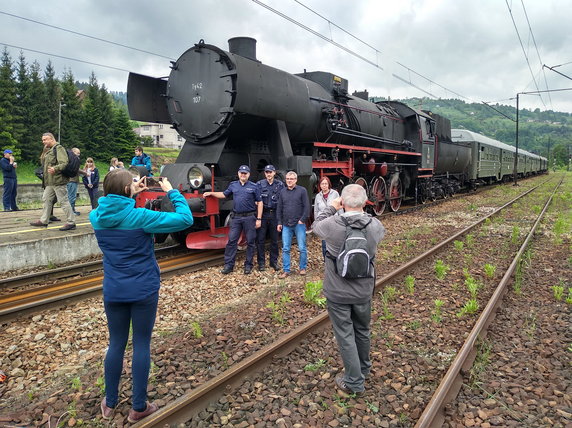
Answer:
(65, 57)
(83, 35)
(523, 50)
(537, 52)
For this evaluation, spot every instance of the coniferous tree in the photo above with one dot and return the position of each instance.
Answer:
(7, 97)
(124, 139)
(22, 131)
(72, 115)
(53, 98)
(38, 114)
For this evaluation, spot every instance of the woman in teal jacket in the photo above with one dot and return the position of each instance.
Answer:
(131, 279)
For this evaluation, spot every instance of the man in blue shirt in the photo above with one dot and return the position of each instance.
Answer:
(10, 181)
(269, 192)
(246, 216)
(292, 213)
(142, 159)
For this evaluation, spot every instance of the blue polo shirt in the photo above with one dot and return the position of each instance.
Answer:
(244, 196)
(270, 193)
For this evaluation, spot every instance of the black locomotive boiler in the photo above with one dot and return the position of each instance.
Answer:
(231, 109)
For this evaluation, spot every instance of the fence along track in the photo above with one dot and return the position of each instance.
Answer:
(190, 404)
(450, 385)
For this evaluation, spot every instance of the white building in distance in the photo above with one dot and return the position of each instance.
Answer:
(163, 135)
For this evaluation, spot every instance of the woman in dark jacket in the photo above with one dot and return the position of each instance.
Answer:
(131, 279)
(91, 180)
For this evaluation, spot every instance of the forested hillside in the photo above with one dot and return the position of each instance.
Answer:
(83, 115)
(539, 131)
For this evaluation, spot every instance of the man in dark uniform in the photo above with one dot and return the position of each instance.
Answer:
(246, 216)
(269, 192)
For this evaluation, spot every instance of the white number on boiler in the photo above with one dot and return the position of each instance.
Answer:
(196, 86)
(196, 100)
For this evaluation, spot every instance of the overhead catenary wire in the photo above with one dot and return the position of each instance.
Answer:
(82, 34)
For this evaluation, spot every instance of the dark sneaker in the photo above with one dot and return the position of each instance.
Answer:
(77, 213)
(137, 416)
(344, 389)
(38, 223)
(247, 270)
(275, 267)
(226, 270)
(67, 227)
(54, 218)
(261, 268)
(106, 412)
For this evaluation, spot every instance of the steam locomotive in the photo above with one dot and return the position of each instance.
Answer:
(231, 109)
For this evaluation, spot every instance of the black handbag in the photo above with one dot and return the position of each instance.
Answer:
(39, 172)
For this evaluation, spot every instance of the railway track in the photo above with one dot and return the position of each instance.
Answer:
(189, 405)
(39, 298)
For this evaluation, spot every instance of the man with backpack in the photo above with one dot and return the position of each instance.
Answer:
(351, 242)
(55, 182)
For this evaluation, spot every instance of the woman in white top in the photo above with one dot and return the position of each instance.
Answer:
(113, 164)
(321, 202)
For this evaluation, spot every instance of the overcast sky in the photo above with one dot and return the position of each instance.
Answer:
(469, 47)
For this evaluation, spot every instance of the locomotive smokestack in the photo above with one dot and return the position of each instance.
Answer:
(243, 46)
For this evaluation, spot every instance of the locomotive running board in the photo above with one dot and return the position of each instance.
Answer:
(207, 239)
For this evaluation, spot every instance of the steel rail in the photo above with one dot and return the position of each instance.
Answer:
(69, 271)
(433, 415)
(190, 404)
(17, 302)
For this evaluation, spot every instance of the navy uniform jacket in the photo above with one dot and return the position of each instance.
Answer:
(8, 169)
(244, 196)
(270, 193)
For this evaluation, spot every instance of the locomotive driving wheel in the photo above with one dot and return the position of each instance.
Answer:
(378, 195)
(395, 195)
(360, 181)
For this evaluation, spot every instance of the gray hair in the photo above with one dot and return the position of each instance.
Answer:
(291, 173)
(353, 196)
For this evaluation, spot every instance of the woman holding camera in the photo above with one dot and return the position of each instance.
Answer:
(131, 279)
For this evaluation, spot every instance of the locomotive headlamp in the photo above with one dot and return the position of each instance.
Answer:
(198, 175)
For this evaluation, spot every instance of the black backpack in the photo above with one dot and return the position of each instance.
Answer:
(72, 168)
(354, 261)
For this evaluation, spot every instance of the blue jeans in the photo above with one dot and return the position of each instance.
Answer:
(121, 316)
(72, 193)
(10, 192)
(287, 233)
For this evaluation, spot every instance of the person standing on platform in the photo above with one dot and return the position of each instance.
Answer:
(270, 189)
(113, 164)
(321, 202)
(55, 183)
(246, 216)
(292, 212)
(131, 280)
(91, 181)
(142, 159)
(9, 165)
(349, 299)
(73, 183)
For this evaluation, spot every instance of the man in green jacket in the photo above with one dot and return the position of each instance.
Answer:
(55, 183)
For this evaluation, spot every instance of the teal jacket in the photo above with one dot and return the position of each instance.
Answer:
(125, 236)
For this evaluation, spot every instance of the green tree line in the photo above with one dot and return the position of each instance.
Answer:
(547, 133)
(30, 106)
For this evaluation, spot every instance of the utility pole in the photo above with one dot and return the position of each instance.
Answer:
(515, 171)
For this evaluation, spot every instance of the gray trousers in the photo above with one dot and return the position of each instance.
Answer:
(352, 332)
(61, 193)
